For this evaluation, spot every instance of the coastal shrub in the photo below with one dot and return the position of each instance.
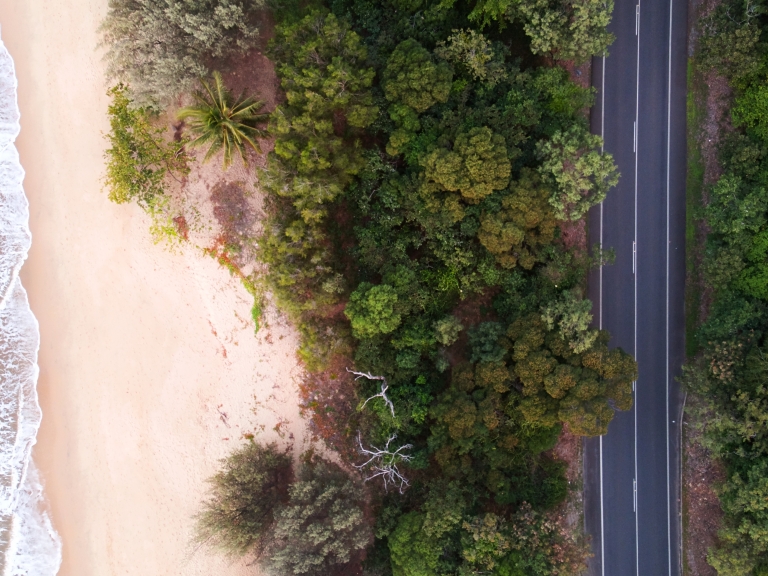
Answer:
(322, 525)
(239, 513)
(159, 48)
(223, 123)
(140, 159)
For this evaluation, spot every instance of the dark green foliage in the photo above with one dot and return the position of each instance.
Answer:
(730, 374)
(322, 524)
(238, 516)
(413, 77)
(401, 218)
(140, 158)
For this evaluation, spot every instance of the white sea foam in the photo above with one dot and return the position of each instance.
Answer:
(29, 546)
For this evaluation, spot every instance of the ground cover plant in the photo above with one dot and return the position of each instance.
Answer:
(728, 374)
(426, 157)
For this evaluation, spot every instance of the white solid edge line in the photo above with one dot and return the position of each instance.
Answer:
(600, 316)
(669, 126)
(637, 118)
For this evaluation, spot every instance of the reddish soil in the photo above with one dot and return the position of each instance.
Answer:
(329, 400)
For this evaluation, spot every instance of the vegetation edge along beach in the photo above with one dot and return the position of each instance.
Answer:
(423, 174)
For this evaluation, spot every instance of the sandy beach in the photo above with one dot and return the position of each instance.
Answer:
(150, 370)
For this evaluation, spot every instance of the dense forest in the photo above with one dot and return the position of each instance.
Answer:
(730, 370)
(428, 155)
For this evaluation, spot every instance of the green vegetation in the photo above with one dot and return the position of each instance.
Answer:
(139, 158)
(223, 123)
(299, 523)
(244, 495)
(160, 48)
(730, 371)
(425, 158)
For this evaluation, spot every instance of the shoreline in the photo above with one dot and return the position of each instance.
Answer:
(149, 370)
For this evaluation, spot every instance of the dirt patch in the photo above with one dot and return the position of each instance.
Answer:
(574, 235)
(701, 506)
(329, 400)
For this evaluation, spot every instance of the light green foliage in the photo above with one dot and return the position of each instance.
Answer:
(321, 66)
(447, 330)
(559, 384)
(580, 173)
(414, 78)
(321, 69)
(372, 310)
(525, 224)
(565, 29)
(322, 524)
(485, 541)
(469, 48)
(571, 314)
(244, 495)
(476, 166)
(139, 159)
(751, 110)
(223, 123)
(159, 48)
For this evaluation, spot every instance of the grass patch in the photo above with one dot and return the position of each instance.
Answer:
(693, 202)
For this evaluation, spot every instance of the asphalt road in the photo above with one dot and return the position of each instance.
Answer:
(632, 475)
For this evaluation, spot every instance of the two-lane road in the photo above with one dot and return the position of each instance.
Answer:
(632, 487)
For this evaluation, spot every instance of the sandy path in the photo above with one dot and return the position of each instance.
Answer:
(140, 347)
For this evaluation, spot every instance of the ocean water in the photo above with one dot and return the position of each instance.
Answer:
(29, 546)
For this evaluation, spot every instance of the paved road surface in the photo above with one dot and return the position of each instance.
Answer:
(632, 474)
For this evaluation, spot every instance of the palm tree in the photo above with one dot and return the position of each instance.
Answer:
(221, 122)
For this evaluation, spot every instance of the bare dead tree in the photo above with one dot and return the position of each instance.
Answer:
(382, 394)
(382, 463)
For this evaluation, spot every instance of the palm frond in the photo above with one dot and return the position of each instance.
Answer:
(223, 123)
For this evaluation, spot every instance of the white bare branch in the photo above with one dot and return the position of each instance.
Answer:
(382, 463)
(382, 394)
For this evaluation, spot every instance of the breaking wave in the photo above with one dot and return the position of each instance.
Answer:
(29, 546)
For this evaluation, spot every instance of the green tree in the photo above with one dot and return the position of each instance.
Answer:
(447, 330)
(372, 310)
(140, 158)
(571, 314)
(477, 165)
(414, 78)
(238, 515)
(223, 123)
(327, 87)
(525, 224)
(580, 173)
(485, 542)
(413, 552)
(159, 48)
(470, 49)
(323, 522)
(559, 384)
(565, 29)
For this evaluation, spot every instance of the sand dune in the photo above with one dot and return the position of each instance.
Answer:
(150, 371)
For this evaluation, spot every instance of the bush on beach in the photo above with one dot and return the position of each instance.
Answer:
(159, 48)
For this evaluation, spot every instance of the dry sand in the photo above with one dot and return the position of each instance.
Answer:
(142, 349)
